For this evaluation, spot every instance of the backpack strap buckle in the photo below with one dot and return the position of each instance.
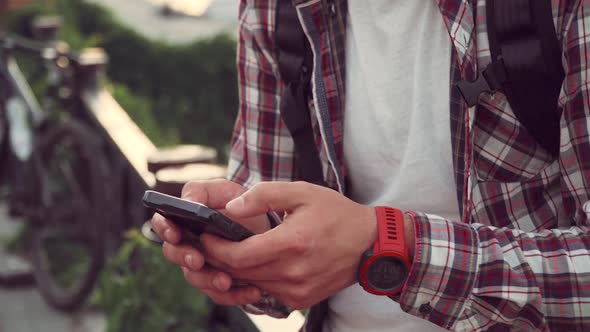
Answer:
(489, 80)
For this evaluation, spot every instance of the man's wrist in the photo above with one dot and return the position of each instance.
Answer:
(384, 268)
(409, 235)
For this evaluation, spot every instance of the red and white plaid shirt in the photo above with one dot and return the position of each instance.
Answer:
(520, 258)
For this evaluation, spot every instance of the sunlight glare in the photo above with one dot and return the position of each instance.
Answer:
(189, 7)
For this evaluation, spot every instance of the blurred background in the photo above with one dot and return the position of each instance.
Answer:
(164, 63)
(126, 95)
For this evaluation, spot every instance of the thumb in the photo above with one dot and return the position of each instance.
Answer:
(271, 196)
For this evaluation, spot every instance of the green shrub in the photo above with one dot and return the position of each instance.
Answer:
(140, 291)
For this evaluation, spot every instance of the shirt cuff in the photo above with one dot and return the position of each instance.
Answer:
(268, 305)
(444, 270)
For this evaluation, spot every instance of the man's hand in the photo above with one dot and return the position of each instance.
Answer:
(215, 283)
(313, 254)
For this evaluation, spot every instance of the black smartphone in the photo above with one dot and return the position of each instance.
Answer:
(194, 218)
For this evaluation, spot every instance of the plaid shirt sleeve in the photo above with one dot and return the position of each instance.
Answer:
(262, 147)
(474, 277)
(471, 277)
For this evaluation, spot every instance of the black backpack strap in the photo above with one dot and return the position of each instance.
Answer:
(526, 66)
(295, 61)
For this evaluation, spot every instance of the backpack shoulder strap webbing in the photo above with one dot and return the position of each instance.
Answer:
(526, 66)
(295, 62)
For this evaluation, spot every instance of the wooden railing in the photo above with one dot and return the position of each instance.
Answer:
(128, 151)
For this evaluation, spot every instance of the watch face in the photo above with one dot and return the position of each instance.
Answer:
(386, 273)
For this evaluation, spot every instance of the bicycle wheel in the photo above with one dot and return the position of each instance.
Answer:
(67, 247)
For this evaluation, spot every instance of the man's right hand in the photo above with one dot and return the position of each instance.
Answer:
(215, 283)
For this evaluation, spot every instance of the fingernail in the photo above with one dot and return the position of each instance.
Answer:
(236, 203)
(154, 221)
(217, 284)
(188, 259)
(168, 235)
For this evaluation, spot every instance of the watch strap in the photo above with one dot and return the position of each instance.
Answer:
(390, 223)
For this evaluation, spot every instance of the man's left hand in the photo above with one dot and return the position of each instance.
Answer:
(313, 254)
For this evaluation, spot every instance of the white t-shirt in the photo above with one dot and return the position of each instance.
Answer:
(397, 144)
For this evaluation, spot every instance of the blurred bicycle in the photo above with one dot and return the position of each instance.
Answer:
(52, 161)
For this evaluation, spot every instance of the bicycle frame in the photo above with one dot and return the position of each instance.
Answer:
(23, 113)
(20, 106)
(23, 110)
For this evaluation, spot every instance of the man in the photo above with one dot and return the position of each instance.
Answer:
(496, 227)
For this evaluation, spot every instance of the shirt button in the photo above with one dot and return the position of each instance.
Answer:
(425, 309)
(333, 9)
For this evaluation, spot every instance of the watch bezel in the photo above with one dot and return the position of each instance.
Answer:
(369, 258)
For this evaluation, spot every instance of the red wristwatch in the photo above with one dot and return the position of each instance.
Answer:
(384, 268)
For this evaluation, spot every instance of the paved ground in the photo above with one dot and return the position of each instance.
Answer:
(23, 309)
(144, 17)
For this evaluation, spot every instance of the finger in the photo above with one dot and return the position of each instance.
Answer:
(271, 196)
(165, 229)
(208, 278)
(270, 272)
(235, 296)
(255, 250)
(282, 270)
(264, 272)
(213, 193)
(183, 255)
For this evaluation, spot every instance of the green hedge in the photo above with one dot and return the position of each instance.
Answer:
(189, 91)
